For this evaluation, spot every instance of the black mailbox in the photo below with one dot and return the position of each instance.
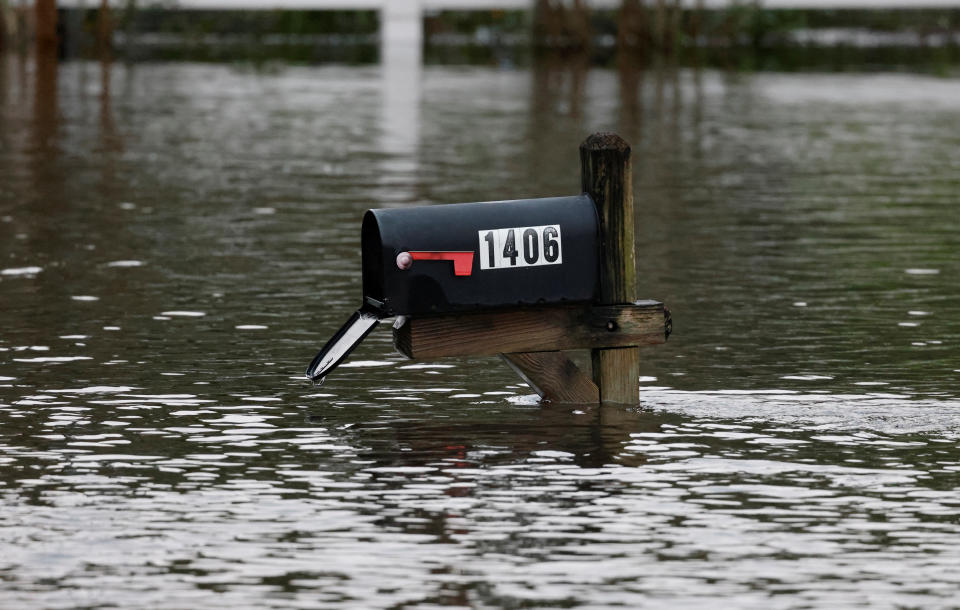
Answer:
(470, 256)
(447, 258)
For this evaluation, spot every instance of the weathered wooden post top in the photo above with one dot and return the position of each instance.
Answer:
(525, 279)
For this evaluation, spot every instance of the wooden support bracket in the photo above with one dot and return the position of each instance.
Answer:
(545, 329)
(530, 340)
(554, 377)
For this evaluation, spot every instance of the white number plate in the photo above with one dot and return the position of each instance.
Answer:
(520, 247)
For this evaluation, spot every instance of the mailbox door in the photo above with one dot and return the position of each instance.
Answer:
(520, 252)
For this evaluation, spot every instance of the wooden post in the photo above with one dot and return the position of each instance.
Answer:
(47, 40)
(660, 26)
(606, 175)
(3, 27)
(578, 28)
(633, 29)
(104, 31)
(547, 27)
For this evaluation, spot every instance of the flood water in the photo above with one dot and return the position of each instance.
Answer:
(177, 241)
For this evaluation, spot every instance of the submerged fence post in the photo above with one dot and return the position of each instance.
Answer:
(606, 175)
(104, 31)
(45, 18)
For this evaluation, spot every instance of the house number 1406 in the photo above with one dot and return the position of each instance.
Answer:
(520, 247)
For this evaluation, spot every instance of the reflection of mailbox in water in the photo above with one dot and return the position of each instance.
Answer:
(446, 258)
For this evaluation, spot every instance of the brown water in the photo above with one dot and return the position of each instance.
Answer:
(177, 240)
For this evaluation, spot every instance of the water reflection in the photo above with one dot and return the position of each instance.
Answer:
(400, 103)
(589, 436)
(231, 495)
(111, 142)
(5, 84)
(46, 107)
(630, 74)
(176, 239)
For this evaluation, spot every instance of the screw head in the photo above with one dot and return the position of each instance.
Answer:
(404, 261)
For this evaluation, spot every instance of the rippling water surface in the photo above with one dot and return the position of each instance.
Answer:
(177, 240)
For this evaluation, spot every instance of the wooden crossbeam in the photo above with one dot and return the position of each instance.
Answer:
(542, 329)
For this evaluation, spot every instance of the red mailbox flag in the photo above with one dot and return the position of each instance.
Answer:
(462, 261)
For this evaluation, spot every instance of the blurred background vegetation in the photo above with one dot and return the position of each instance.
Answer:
(743, 35)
